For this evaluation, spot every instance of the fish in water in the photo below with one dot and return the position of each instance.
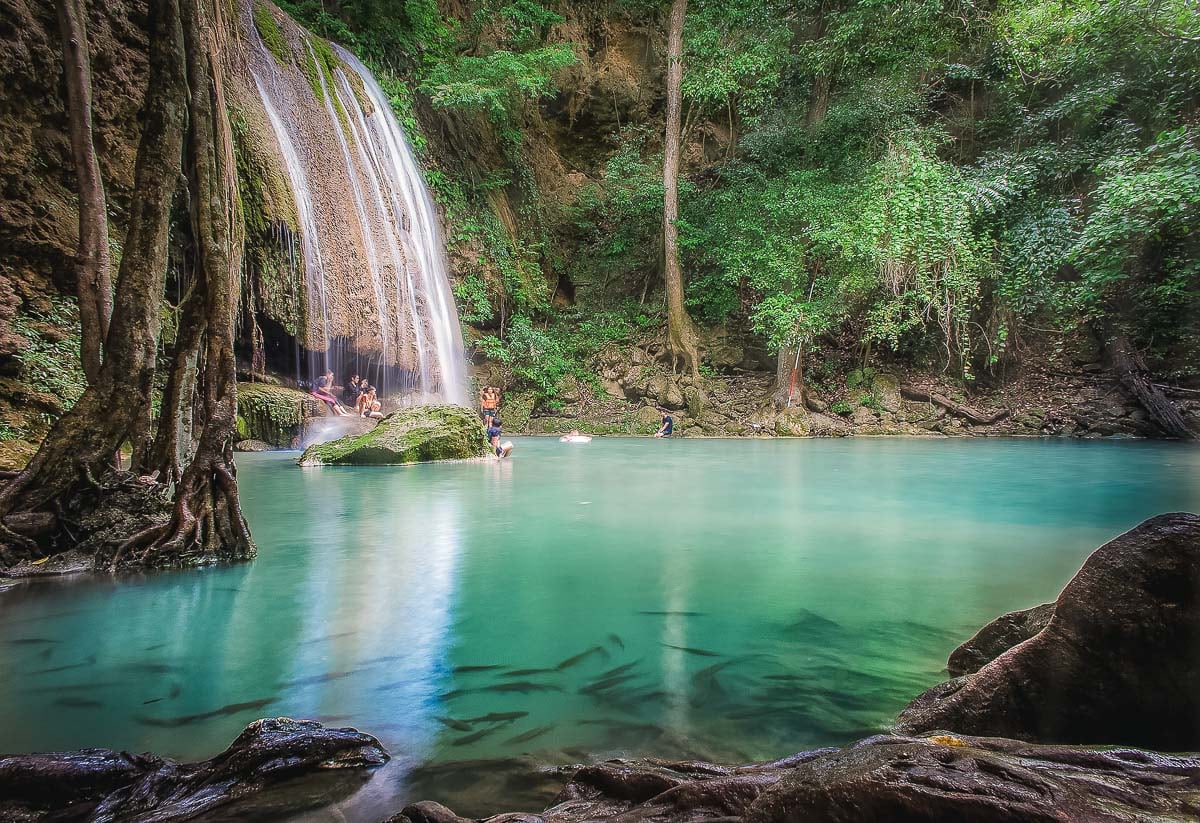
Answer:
(469, 669)
(604, 684)
(616, 640)
(689, 650)
(155, 647)
(673, 614)
(391, 658)
(810, 621)
(619, 670)
(522, 686)
(474, 738)
(78, 703)
(326, 637)
(457, 725)
(579, 658)
(151, 668)
(316, 678)
(31, 641)
(450, 695)
(498, 717)
(187, 719)
(527, 672)
(532, 734)
(89, 661)
(175, 691)
(153, 700)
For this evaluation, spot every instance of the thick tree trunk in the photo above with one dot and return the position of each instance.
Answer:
(93, 283)
(86, 437)
(1135, 378)
(681, 334)
(207, 517)
(967, 413)
(789, 378)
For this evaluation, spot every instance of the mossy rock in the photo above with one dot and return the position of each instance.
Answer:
(420, 434)
(273, 414)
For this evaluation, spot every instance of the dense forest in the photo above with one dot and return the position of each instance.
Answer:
(955, 186)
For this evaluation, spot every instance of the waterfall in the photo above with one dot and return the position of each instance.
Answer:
(378, 300)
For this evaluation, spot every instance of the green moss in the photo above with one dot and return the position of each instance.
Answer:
(271, 34)
(273, 414)
(309, 66)
(416, 435)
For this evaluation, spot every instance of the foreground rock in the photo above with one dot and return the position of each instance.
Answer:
(881, 778)
(1118, 661)
(997, 637)
(415, 435)
(103, 785)
(274, 415)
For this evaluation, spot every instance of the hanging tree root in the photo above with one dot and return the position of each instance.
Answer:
(969, 414)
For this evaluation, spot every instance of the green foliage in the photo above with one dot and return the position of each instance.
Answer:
(498, 83)
(843, 407)
(50, 358)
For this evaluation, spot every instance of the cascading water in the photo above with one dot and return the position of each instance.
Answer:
(378, 299)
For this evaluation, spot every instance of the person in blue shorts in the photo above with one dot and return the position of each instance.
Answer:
(668, 425)
(493, 436)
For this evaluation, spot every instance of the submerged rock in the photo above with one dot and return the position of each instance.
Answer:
(103, 785)
(1116, 662)
(414, 435)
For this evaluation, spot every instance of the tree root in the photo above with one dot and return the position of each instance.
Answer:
(969, 414)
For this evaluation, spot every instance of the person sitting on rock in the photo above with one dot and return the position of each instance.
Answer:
(368, 405)
(353, 390)
(668, 425)
(323, 392)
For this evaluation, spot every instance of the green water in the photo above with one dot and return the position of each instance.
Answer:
(755, 597)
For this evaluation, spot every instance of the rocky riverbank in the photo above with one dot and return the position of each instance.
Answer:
(1112, 661)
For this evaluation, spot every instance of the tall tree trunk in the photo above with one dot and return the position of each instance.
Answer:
(681, 334)
(207, 517)
(93, 283)
(789, 378)
(85, 438)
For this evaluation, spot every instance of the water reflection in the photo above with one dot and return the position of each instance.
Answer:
(724, 600)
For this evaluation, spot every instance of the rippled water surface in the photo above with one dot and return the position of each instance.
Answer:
(723, 599)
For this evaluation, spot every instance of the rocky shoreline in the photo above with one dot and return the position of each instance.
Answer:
(1053, 715)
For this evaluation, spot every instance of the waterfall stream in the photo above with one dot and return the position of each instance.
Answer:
(377, 287)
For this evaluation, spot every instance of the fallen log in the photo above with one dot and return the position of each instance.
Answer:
(101, 785)
(969, 414)
(1135, 378)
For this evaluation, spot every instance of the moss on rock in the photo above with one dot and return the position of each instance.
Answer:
(273, 414)
(271, 35)
(420, 434)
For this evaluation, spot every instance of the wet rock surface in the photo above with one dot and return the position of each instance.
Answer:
(943, 777)
(414, 435)
(273, 415)
(1116, 662)
(997, 637)
(103, 785)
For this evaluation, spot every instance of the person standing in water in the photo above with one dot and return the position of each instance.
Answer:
(668, 425)
(493, 436)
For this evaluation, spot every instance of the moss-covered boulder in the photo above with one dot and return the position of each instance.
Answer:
(273, 414)
(415, 435)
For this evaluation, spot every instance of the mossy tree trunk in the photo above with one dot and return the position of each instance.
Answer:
(93, 282)
(84, 440)
(207, 517)
(681, 333)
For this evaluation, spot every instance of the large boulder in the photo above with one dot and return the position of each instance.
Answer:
(997, 637)
(1117, 662)
(419, 434)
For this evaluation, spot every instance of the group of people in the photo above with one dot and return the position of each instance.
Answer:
(358, 394)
